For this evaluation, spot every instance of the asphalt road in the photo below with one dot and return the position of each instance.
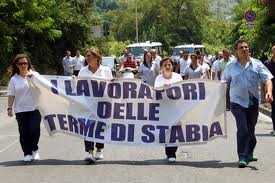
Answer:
(62, 159)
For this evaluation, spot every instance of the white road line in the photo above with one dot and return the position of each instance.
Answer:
(14, 142)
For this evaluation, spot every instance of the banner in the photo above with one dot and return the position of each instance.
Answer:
(128, 111)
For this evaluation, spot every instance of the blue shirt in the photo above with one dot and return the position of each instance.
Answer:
(245, 80)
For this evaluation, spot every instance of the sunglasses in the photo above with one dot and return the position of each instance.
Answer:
(22, 63)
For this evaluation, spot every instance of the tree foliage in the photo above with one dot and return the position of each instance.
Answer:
(261, 37)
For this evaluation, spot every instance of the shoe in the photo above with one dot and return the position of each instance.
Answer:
(252, 158)
(90, 158)
(35, 155)
(99, 155)
(171, 159)
(227, 109)
(28, 158)
(273, 133)
(242, 163)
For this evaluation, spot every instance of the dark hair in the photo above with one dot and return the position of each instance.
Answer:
(165, 59)
(144, 59)
(15, 69)
(238, 42)
(195, 55)
(226, 50)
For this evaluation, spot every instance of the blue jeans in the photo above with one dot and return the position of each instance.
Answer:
(246, 119)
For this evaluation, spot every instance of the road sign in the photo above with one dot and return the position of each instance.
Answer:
(250, 16)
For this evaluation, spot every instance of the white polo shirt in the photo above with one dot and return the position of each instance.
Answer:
(102, 72)
(20, 89)
(160, 80)
(79, 62)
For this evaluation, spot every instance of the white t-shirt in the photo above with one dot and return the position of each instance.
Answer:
(193, 74)
(156, 65)
(79, 62)
(160, 80)
(20, 89)
(183, 65)
(146, 75)
(102, 72)
(215, 68)
(205, 67)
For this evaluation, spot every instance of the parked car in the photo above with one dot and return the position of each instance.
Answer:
(110, 62)
(187, 47)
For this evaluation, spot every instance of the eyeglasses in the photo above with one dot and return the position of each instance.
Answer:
(22, 63)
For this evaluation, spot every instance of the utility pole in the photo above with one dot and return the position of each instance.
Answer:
(136, 23)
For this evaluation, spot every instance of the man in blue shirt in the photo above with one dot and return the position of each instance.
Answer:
(244, 75)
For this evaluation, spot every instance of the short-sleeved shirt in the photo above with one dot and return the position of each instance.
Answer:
(67, 64)
(146, 74)
(20, 89)
(78, 62)
(102, 72)
(245, 81)
(270, 64)
(193, 73)
(160, 80)
(204, 68)
(222, 65)
(215, 68)
(183, 65)
(131, 64)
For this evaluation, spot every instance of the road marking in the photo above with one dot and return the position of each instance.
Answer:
(14, 142)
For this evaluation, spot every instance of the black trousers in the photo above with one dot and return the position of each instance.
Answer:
(273, 113)
(171, 151)
(89, 146)
(29, 130)
(76, 72)
(227, 97)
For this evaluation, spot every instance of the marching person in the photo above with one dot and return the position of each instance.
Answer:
(146, 74)
(244, 75)
(166, 79)
(270, 64)
(95, 70)
(193, 71)
(78, 62)
(25, 108)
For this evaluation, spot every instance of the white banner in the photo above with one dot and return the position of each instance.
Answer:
(131, 112)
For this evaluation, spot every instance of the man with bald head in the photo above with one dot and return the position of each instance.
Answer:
(270, 64)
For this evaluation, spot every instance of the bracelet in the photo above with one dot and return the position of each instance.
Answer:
(9, 108)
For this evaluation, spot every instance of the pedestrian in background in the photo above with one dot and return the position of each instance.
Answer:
(94, 70)
(25, 108)
(193, 71)
(78, 62)
(244, 74)
(166, 79)
(67, 63)
(270, 64)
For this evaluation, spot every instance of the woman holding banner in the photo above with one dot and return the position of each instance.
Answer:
(165, 79)
(25, 108)
(95, 70)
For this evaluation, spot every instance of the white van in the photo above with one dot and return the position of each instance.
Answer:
(186, 47)
(137, 48)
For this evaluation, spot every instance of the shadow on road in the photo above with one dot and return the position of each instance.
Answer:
(265, 135)
(196, 164)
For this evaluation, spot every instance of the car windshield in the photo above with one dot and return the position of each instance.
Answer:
(136, 51)
(176, 51)
(108, 61)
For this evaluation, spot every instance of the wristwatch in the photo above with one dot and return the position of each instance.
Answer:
(9, 108)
